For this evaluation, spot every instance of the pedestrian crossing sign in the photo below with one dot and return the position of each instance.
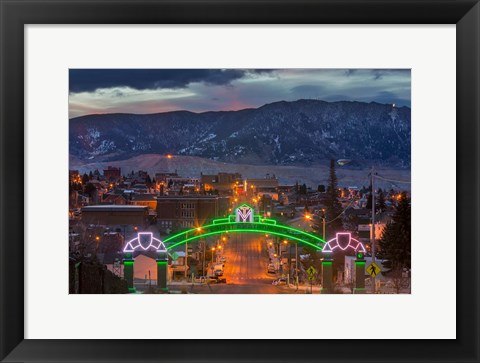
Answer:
(311, 271)
(373, 269)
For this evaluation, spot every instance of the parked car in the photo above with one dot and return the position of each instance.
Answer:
(281, 281)
(218, 272)
(221, 280)
(271, 268)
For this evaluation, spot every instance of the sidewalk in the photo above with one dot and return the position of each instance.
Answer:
(305, 288)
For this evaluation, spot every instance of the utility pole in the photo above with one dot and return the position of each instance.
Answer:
(323, 224)
(373, 224)
(204, 251)
(324, 228)
(186, 253)
(296, 263)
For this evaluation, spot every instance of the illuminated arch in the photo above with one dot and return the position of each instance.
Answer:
(244, 221)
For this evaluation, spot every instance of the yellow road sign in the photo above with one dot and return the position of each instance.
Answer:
(373, 269)
(311, 271)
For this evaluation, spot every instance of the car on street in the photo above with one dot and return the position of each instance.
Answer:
(271, 268)
(218, 272)
(281, 281)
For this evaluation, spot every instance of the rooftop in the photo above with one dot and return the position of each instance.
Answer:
(111, 208)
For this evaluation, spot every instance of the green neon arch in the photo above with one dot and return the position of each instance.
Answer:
(256, 225)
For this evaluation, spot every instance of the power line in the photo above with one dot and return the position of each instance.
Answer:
(393, 180)
(343, 211)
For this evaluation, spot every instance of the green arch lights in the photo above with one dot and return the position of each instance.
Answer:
(240, 230)
(254, 224)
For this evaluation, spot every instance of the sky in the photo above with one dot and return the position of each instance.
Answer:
(143, 91)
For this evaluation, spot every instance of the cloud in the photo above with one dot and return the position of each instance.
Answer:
(90, 80)
(199, 90)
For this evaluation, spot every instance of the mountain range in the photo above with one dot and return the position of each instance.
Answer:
(298, 133)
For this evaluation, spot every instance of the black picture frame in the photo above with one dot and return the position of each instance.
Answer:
(15, 14)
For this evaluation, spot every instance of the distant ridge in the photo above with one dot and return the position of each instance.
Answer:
(301, 132)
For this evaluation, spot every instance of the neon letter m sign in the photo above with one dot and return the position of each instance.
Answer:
(244, 214)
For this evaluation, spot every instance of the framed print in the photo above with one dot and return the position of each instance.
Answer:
(280, 181)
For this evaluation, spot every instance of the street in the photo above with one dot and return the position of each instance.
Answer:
(245, 269)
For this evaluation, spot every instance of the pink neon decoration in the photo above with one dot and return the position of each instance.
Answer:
(145, 241)
(342, 241)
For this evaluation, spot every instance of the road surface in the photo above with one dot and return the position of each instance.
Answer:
(245, 269)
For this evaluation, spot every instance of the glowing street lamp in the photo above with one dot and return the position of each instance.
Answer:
(213, 251)
(198, 229)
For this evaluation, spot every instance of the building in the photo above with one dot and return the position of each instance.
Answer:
(112, 173)
(116, 215)
(178, 212)
(222, 181)
(260, 183)
(116, 199)
(164, 177)
(144, 199)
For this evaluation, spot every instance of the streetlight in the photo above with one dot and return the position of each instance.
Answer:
(198, 229)
(323, 220)
(285, 242)
(213, 251)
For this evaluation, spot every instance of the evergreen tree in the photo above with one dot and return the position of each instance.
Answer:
(369, 198)
(369, 201)
(90, 190)
(334, 208)
(90, 175)
(395, 244)
(303, 189)
(85, 179)
(321, 188)
(380, 203)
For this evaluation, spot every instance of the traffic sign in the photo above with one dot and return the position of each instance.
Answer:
(311, 271)
(373, 269)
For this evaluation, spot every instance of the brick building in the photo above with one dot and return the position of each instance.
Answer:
(116, 215)
(112, 173)
(178, 212)
(221, 181)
